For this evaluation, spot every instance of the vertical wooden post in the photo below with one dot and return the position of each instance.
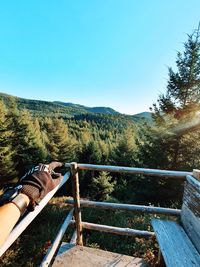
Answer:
(77, 209)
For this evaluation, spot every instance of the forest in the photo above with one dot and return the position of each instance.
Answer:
(33, 133)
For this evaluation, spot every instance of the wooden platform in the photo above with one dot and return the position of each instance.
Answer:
(77, 256)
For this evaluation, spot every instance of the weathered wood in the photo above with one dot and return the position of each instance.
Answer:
(116, 230)
(190, 212)
(74, 237)
(77, 209)
(78, 256)
(22, 225)
(130, 170)
(176, 247)
(49, 256)
(126, 207)
(196, 174)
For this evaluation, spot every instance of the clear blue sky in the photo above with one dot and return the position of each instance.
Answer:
(92, 52)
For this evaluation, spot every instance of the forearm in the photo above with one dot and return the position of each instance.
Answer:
(9, 215)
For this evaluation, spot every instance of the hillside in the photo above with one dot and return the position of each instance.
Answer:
(143, 116)
(71, 110)
(104, 110)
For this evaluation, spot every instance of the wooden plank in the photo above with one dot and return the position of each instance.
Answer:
(191, 225)
(74, 237)
(78, 256)
(116, 230)
(190, 212)
(77, 208)
(50, 253)
(22, 225)
(126, 207)
(152, 172)
(191, 196)
(176, 247)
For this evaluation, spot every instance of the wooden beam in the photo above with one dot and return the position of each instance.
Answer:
(116, 230)
(73, 239)
(176, 247)
(130, 170)
(126, 207)
(190, 212)
(50, 253)
(77, 208)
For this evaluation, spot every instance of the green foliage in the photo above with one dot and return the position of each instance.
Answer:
(67, 132)
(7, 165)
(30, 248)
(102, 186)
(161, 146)
(26, 140)
(60, 145)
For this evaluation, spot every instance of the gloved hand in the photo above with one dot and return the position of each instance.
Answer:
(38, 182)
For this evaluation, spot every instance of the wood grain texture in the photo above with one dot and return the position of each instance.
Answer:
(176, 247)
(191, 197)
(116, 230)
(77, 207)
(126, 207)
(191, 225)
(190, 212)
(73, 238)
(78, 256)
(132, 170)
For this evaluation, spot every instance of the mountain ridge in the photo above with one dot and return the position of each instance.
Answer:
(67, 109)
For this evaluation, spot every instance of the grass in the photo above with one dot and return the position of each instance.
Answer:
(30, 248)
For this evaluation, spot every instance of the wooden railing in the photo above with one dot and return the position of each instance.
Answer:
(75, 167)
(77, 203)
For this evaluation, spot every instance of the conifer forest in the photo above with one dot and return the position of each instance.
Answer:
(39, 131)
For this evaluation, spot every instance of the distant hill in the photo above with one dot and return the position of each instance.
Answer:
(103, 110)
(147, 116)
(71, 110)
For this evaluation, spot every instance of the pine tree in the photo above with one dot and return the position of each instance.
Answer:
(124, 153)
(183, 88)
(159, 146)
(7, 165)
(102, 186)
(26, 142)
(60, 144)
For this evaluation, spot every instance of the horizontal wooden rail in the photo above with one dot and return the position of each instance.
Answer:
(116, 230)
(49, 256)
(126, 207)
(130, 170)
(22, 225)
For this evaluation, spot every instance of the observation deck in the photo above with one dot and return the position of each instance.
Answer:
(74, 254)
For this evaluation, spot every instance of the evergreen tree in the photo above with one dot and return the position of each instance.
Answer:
(26, 142)
(159, 146)
(124, 153)
(7, 165)
(102, 186)
(60, 145)
(91, 153)
(183, 88)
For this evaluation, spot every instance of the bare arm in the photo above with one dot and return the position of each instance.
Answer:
(35, 185)
(9, 215)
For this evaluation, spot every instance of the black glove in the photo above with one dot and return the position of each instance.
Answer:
(38, 182)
